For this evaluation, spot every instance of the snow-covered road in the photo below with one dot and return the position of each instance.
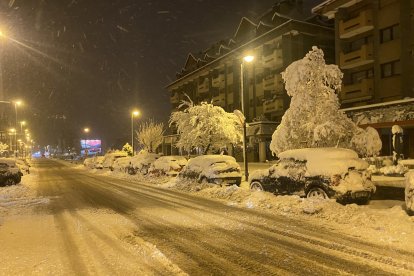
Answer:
(93, 224)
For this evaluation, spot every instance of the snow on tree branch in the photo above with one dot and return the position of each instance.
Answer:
(313, 118)
(149, 135)
(205, 126)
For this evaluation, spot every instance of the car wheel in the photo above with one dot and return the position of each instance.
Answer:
(256, 186)
(316, 192)
(10, 181)
(204, 180)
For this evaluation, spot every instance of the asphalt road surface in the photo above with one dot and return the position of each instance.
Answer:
(191, 234)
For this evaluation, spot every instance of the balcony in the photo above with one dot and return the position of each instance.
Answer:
(357, 25)
(175, 98)
(360, 91)
(356, 58)
(218, 81)
(204, 86)
(275, 105)
(273, 82)
(219, 100)
(273, 60)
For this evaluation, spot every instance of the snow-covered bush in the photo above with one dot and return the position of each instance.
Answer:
(3, 148)
(128, 149)
(313, 118)
(205, 126)
(409, 191)
(393, 170)
(150, 135)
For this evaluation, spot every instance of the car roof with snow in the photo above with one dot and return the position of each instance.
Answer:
(326, 161)
(208, 160)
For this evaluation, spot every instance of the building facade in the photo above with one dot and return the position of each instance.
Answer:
(214, 75)
(374, 47)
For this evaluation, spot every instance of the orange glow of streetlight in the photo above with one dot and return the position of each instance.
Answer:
(135, 113)
(86, 129)
(248, 58)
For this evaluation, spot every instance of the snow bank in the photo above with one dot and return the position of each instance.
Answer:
(326, 161)
(409, 191)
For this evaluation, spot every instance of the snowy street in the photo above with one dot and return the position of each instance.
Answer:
(69, 221)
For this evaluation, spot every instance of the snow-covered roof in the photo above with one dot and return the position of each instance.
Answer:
(326, 161)
(309, 153)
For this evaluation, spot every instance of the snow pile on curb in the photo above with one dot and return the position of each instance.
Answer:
(409, 191)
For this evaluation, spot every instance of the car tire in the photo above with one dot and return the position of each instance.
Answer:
(316, 192)
(10, 181)
(256, 186)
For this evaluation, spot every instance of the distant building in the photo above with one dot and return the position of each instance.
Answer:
(276, 39)
(374, 47)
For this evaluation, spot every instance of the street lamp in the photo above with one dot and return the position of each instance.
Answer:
(22, 123)
(134, 113)
(247, 59)
(12, 132)
(16, 104)
(86, 131)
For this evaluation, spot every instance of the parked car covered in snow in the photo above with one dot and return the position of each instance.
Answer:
(98, 162)
(23, 165)
(122, 164)
(317, 172)
(217, 169)
(10, 173)
(141, 162)
(110, 158)
(89, 162)
(409, 192)
(168, 165)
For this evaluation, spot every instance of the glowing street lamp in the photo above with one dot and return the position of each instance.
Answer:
(134, 113)
(86, 130)
(22, 123)
(247, 59)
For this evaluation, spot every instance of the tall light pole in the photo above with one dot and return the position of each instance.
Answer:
(12, 132)
(86, 131)
(22, 123)
(134, 113)
(247, 59)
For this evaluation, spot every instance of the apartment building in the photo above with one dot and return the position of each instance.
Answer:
(275, 40)
(374, 47)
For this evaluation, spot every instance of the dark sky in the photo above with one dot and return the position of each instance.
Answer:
(88, 62)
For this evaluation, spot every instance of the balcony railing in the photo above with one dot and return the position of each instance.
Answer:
(219, 100)
(356, 58)
(204, 86)
(357, 91)
(275, 105)
(273, 82)
(273, 60)
(357, 25)
(175, 98)
(218, 81)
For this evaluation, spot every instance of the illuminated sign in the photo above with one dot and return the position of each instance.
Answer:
(91, 147)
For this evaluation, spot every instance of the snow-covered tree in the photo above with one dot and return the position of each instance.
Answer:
(128, 149)
(3, 148)
(313, 118)
(150, 135)
(205, 126)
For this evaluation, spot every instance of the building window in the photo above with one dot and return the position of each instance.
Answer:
(359, 76)
(390, 69)
(389, 33)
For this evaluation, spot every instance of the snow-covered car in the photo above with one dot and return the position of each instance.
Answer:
(217, 169)
(317, 172)
(409, 192)
(10, 173)
(122, 164)
(98, 162)
(141, 162)
(89, 162)
(23, 165)
(110, 158)
(168, 165)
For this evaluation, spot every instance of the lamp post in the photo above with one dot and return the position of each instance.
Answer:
(247, 59)
(22, 123)
(134, 113)
(12, 132)
(86, 131)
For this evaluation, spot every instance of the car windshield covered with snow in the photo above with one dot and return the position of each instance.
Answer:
(317, 172)
(168, 165)
(9, 172)
(111, 157)
(218, 169)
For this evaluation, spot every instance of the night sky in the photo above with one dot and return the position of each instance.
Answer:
(88, 62)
